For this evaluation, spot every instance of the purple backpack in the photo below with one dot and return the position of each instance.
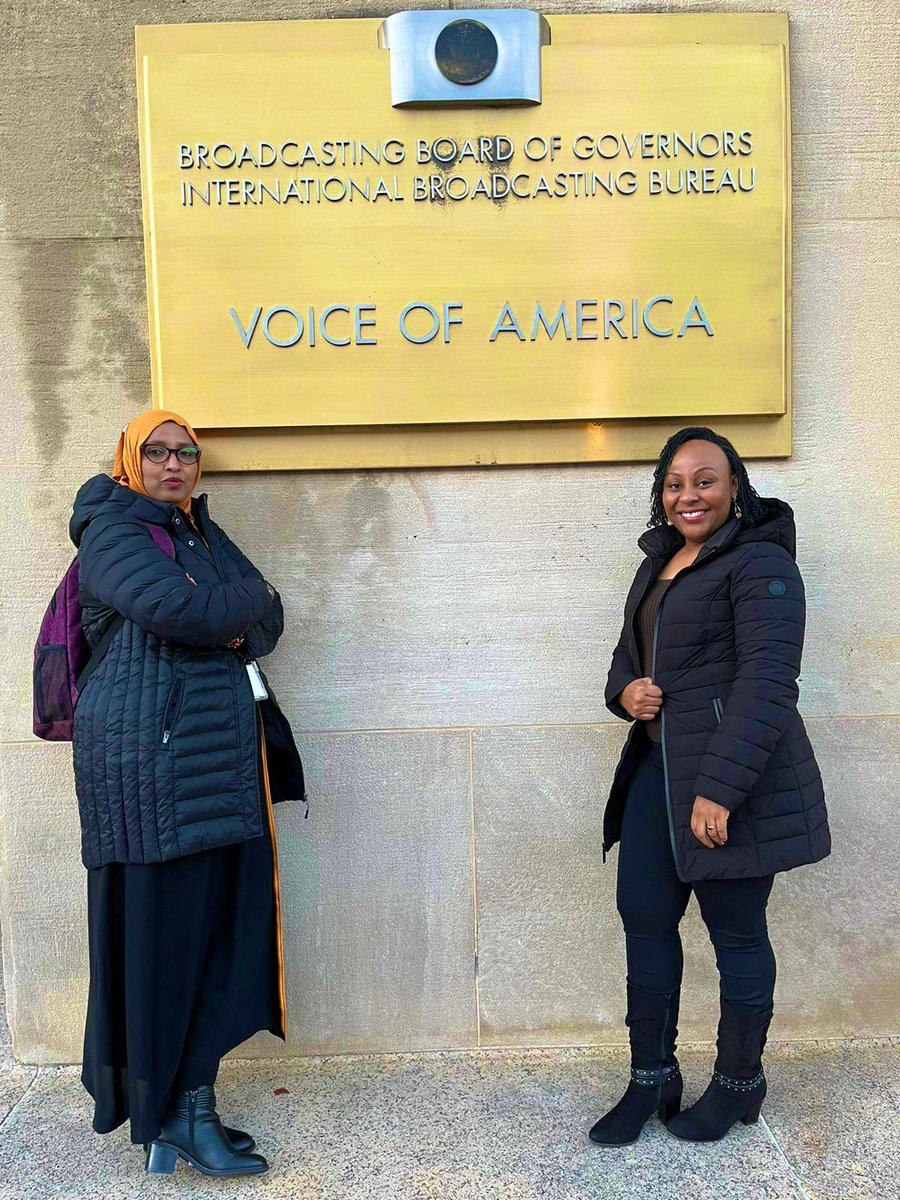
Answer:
(63, 657)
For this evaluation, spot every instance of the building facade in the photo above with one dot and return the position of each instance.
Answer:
(449, 630)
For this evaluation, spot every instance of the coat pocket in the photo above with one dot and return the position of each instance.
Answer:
(717, 709)
(170, 715)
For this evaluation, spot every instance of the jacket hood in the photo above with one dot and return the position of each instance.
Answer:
(102, 496)
(775, 525)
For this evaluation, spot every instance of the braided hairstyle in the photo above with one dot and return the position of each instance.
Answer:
(752, 508)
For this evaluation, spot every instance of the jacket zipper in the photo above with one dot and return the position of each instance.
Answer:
(662, 737)
(717, 708)
(633, 650)
(637, 659)
(662, 711)
(171, 712)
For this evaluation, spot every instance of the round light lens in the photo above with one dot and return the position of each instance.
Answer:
(466, 52)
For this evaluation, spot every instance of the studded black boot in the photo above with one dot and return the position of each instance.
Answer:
(738, 1086)
(656, 1084)
(191, 1130)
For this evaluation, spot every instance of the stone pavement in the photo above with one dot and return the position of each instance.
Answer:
(493, 1125)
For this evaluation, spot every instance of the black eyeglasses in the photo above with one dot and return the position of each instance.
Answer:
(189, 456)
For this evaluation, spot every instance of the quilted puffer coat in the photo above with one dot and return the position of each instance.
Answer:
(166, 732)
(726, 655)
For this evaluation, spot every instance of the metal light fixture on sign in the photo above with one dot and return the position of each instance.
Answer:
(472, 56)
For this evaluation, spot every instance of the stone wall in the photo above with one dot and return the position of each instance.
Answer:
(450, 630)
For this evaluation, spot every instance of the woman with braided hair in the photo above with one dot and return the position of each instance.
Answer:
(717, 788)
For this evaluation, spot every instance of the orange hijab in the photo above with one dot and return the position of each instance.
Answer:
(127, 469)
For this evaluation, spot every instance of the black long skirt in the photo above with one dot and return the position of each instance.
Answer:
(185, 964)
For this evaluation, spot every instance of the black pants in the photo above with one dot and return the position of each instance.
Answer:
(652, 900)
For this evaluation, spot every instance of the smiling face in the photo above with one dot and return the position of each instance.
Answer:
(698, 490)
(170, 480)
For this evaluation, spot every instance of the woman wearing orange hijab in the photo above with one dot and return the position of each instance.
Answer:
(180, 752)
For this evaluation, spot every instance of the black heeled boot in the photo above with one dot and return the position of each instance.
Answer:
(656, 1084)
(237, 1137)
(738, 1086)
(191, 1130)
(240, 1140)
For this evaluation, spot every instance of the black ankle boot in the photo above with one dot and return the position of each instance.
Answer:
(237, 1137)
(240, 1140)
(656, 1084)
(192, 1130)
(738, 1086)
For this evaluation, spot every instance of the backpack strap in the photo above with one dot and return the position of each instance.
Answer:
(99, 652)
(163, 540)
(165, 543)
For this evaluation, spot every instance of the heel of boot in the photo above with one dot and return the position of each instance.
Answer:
(666, 1111)
(752, 1116)
(161, 1159)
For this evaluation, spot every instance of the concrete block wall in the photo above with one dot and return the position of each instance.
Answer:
(449, 631)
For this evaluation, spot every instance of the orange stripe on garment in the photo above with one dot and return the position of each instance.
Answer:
(279, 937)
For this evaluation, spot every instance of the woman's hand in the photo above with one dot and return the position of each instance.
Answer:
(642, 698)
(709, 822)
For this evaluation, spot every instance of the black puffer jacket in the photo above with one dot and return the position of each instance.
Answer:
(166, 732)
(726, 656)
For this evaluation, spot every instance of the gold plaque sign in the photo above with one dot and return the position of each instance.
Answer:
(339, 279)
